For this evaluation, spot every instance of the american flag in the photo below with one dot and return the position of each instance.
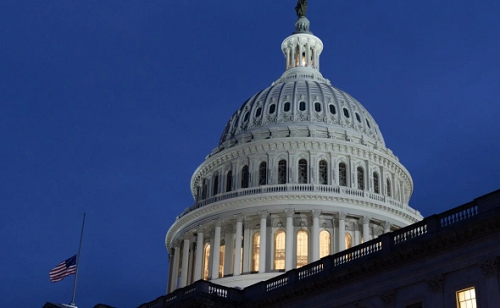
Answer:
(63, 269)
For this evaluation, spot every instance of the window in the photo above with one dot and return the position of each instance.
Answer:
(317, 107)
(272, 108)
(361, 178)
(368, 123)
(302, 171)
(247, 115)
(204, 189)
(342, 174)
(324, 243)
(216, 184)
(389, 192)
(255, 252)
(279, 250)
(346, 113)
(323, 172)
(376, 186)
(229, 181)
(244, 177)
(263, 173)
(302, 106)
(286, 107)
(206, 260)
(466, 298)
(282, 172)
(358, 117)
(222, 252)
(302, 248)
(348, 241)
(332, 109)
(258, 112)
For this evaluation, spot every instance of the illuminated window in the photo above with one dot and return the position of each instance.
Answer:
(282, 172)
(342, 174)
(323, 172)
(221, 260)
(361, 178)
(216, 184)
(348, 241)
(206, 260)
(324, 243)
(279, 250)
(389, 193)
(466, 298)
(302, 248)
(263, 173)
(376, 185)
(255, 252)
(244, 177)
(229, 181)
(302, 171)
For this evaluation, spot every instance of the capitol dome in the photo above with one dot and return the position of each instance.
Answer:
(301, 171)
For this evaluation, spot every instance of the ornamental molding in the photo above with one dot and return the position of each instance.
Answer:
(489, 268)
(436, 284)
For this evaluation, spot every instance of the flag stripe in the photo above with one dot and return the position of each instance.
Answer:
(63, 269)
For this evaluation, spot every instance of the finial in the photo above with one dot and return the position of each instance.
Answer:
(301, 8)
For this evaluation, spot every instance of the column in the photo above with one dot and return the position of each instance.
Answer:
(342, 231)
(247, 245)
(387, 227)
(262, 245)
(216, 251)
(170, 267)
(228, 253)
(237, 246)
(357, 235)
(315, 235)
(175, 269)
(289, 239)
(366, 229)
(199, 254)
(191, 261)
(185, 262)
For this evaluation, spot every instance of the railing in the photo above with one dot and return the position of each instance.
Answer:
(335, 190)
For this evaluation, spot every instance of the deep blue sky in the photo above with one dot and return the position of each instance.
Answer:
(107, 107)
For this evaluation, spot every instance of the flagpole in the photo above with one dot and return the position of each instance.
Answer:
(77, 263)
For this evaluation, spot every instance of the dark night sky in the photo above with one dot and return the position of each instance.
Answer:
(107, 107)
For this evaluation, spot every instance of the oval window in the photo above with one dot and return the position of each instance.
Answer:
(258, 112)
(368, 123)
(358, 117)
(332, 109)
(346, 113)
(286, 108)
(302, 106)
(272, 109)
(246, 116)
(317, 107)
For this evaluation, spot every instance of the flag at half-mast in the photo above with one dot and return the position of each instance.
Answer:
(63, 269)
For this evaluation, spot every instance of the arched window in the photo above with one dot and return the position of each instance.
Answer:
(317, 107)
(206, 260)
(389, 192)
(282, 172)
(361, 178)
(302, 106)
(222, 252)
(348, 241)
(204, 189)
(263, 173)
(332, 109)
(342, 174)
(324, 243)
(376, 186)
(244, 177)
(272, 108)
(279, 250)
(323, 172)
(286, 107)
(302, 171)
(258, 112)
(255, 252)
(216, 184)
(229, 181)
(302, 248)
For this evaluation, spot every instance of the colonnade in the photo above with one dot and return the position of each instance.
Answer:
(193, 258)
